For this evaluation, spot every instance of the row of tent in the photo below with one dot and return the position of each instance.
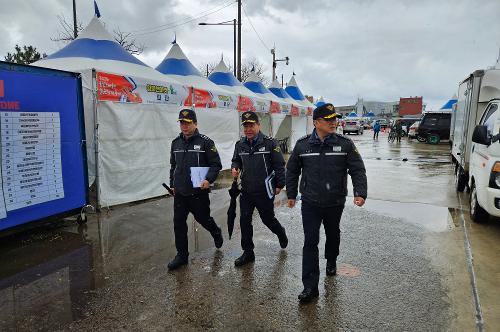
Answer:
(128, 144)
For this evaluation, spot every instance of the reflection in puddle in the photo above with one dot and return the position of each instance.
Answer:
(433, 218)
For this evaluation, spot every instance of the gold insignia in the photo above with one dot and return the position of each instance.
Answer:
(277, 149)
(329, 107)
(185, 113)
(247, 115)
(213, 149)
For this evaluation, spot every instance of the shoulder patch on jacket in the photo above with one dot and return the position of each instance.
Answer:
(205, 137)
(268, 138)
(344, 137)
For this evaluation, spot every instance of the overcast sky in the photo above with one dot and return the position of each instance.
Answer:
(342, 50)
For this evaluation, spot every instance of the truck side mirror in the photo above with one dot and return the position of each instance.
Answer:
(480, 135)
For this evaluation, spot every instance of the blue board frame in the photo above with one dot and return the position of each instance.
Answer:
(46, 90)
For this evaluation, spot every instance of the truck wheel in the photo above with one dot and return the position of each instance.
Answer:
(477, 213)
(460, 180)
(421, 139)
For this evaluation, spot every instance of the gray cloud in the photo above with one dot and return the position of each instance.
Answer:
(378, 50)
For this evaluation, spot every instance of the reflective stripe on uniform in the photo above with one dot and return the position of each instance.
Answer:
(309, 154)
(335, 153)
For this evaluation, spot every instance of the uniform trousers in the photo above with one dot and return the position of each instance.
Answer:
(197, 204)
(312, 217)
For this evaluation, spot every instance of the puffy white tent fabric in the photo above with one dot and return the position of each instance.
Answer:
(134, 139)
(220, 124)
(282, 125)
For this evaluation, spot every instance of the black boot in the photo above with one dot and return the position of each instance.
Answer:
(331, 267)
(177, 262)
(218, 240)
(283, 238)
(308, 294)
(247, 257)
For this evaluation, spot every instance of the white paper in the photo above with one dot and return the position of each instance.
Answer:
(31, 158)
(269, 185)
(198, 174)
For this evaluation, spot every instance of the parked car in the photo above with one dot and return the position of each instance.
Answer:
(413, 131)
(434, 127)
(353, 126)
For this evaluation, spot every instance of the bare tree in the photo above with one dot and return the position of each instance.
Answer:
(246, 67)
(125, 39)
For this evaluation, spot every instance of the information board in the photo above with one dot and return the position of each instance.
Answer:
(43, 169)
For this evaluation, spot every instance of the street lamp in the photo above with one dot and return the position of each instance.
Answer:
(275, 61)
(233, 23)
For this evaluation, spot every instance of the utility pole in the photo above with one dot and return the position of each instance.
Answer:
(234, 47)
(75, 29)
(239, 40)
(275, 62)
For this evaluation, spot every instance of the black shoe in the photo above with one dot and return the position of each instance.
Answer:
(177, 262)
(308, 294)
(218, 240)
(247, 257)
(331, 268)
(283, 239)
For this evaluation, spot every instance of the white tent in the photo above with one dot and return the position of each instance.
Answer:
(282, 123)
(133, 138)
(300, 123)
(221, 121)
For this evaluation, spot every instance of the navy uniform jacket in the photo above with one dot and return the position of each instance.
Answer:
(324, 167)
(258, 161)
(197, 151)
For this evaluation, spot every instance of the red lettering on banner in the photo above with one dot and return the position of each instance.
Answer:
(275, 107)
(116, 88)
(2, 91)
(245, 104)
(295, 111)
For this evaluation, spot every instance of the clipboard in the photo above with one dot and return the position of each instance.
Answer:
(198, 174)
(269, 183)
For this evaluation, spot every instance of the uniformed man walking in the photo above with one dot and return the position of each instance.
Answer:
(324, 158)
(192, 149)
(259, 160)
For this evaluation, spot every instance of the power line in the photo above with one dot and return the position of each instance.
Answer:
(251, 24)
(175, 24)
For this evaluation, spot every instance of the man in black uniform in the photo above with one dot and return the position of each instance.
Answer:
(258, 157)
(324, 158)
(191, 149)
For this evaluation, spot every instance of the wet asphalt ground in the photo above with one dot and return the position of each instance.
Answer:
(405, 264)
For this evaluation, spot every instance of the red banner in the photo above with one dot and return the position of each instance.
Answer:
(116, 88)
(202, 98)
(245, 104)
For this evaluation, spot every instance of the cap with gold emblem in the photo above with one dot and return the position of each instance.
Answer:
(187, 115)
(326, 111)
(249, 117)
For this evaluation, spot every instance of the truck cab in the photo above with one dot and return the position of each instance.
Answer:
(484, 168)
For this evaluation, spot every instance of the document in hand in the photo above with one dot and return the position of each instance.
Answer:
(198, 174)
(269, 185)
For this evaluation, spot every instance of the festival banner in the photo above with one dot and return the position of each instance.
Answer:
(275, 107)
(126, 89)
(295, 110)
(252, 104)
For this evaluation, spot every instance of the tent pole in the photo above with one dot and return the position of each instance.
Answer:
(96, 141)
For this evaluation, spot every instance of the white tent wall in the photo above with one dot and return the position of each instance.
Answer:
(134, 150)
(298, 129)
(284, 129)
(310, 124)
(276, 120)
(222, 126)
(265, 123)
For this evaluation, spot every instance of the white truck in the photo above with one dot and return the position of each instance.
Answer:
(475, 134)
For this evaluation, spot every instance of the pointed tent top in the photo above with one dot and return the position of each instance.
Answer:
(252, 77)
(449, 104)
(293, 90)
(221, 67)
(222, 76)
(253, 69)
(353, 115)
(176, 63)
(320, 102)
(175, 38)
(95, 42)
(95, 30)
(96, 10)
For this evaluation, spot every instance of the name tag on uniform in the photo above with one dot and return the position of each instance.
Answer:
(197, 147)
(262, 149)
(336, 148)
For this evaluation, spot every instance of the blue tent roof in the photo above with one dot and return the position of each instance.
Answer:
(353, 115)
(320, 102)
(222, 76)
(370, 114)
(95, 43)
(278, 91)
(254, 84)
(176, 63)
(293, 90)
(449, 104)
